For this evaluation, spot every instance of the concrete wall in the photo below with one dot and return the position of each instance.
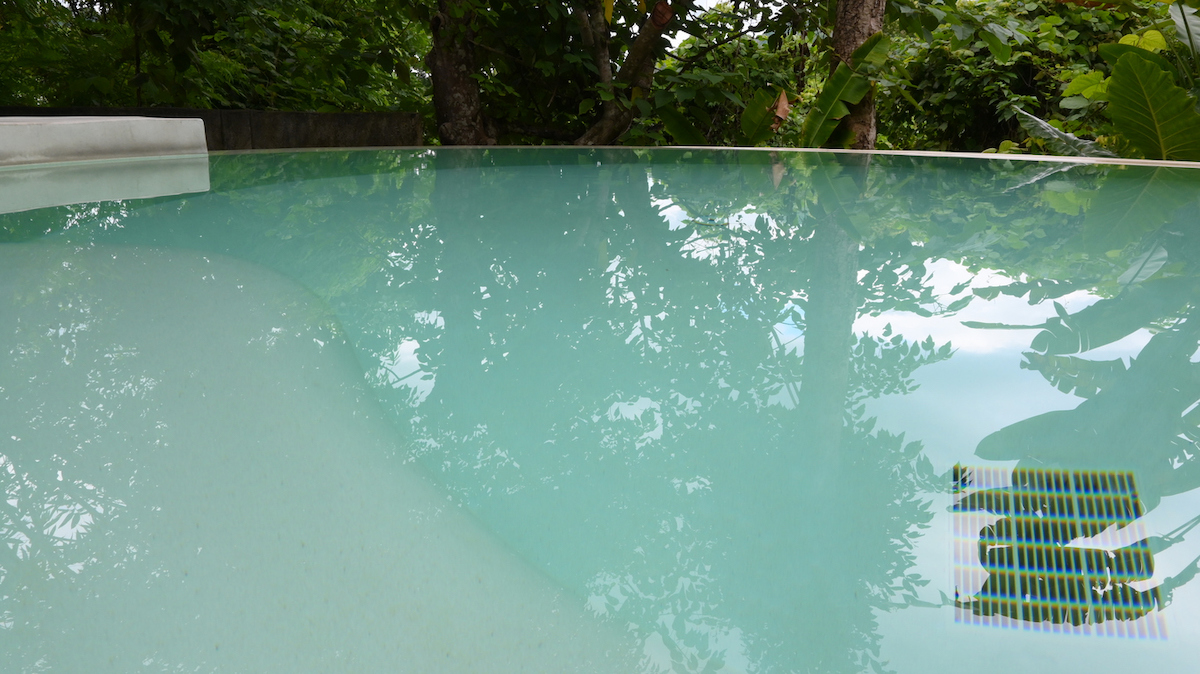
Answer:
(258, 129)
(37, 140)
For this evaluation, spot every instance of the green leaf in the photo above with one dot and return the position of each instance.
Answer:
(680, 128)
(1083, 83)
(1112, 53)
(1157, 117)
(1151, 40)
(585, 105)
(963, 35)
(999, 48)
(1098, 92)
(1187, 26)
(758, 116)
(1074, 102)
(101, 84)
(1132, 204)
(1144, 266)
(960, 303)
(844, 86)
(872, 53)
(1060, 142)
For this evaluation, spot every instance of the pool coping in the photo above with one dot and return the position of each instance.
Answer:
(1117, 161)
(1109, 161)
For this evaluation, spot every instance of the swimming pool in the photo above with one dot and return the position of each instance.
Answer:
(605, 410)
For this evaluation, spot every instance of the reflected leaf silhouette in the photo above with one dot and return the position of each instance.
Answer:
(1108, 320)
(1074, 375)
(1142, 408)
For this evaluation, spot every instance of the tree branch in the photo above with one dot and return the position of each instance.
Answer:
(637, 71)
(595, 38)
(690, 61)
(547, 132)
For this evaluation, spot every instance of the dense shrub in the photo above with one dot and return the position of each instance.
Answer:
(288, 55)
(966, 75)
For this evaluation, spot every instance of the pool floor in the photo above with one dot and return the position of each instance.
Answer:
(248, 513)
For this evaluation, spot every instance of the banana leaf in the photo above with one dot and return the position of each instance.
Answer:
(1135, 424)
(843, 87)
(681, 128)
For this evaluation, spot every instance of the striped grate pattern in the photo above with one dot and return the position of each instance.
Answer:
(1053, 550)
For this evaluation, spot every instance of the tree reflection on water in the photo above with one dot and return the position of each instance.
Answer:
(641, 370)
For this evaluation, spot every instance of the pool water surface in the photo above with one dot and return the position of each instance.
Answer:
(605, 411)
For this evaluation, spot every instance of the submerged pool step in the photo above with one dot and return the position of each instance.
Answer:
(51, 161)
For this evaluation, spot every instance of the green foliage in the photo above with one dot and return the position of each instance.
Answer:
(540, 81)
(758, 117)
(711, 79)
(1111, 53)
(848, 85)
(1060, 141)
(1157, 117)
(537, 76)
(1150, 40)
(290, 55)
(949, 76)
(845, 87)
(680, 127)
(1151, 116)
(970, 66)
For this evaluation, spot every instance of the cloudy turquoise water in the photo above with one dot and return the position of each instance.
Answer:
(594, 410)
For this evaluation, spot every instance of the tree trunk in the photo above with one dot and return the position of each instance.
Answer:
(828, 338)
(856, 21)
(451, 64)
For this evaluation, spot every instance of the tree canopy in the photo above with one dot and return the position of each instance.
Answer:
(941, 74)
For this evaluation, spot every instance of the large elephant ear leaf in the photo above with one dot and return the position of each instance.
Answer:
(1111, 53)
(1146, 107)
